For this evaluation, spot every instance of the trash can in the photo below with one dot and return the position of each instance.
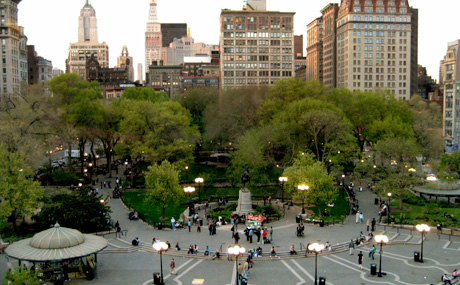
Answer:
(373, 269)
(322, 280)
(160, 226)
(297, 219)
(376, 201)
(156, 278)
(321, 223)
(417, 256)
(243, 281)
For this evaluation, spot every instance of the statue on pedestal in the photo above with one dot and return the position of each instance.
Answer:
(245, 177)
(244, 197)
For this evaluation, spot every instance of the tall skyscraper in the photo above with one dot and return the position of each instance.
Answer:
(14, 50)
(153, 39)
(450, 84)
(367, 45)
(140, 73)
(126, 61)
(87, 44)
(315, 50)
(257, 46)
(171, 31)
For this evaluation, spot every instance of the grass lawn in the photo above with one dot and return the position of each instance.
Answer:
(338, 212)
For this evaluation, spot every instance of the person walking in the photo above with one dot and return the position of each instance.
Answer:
(246, 269)
(368, 223)
(237, 237)
(373, 224)
(189, 225)
(198, 226)
(361, 217)
(360, 260)
(118, 231)
(172, 267)
(173, 224)
(240, 271)
(357, 217)
(271, 233)
(372, 252)
(351, 246)
(210, 229)
(250, 234)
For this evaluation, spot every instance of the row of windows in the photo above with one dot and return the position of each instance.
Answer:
(252, 19)
(380, 10)
(254, 27)
(256, 35)
(257, 58)
(273, 65)
(377, 26)
(379, 19)
(256, 73)
(255, 42)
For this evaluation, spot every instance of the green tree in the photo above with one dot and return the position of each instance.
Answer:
(19, 193)
(307, 171)
(78, 211)
(158, 131)
(21, 276)
(143, 94)
(163, 186)
(196, 100)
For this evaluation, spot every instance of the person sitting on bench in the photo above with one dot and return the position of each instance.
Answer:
(135, 241)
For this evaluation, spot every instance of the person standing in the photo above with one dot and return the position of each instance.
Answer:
(173, 223)
(240, 271)
(368, 223)
(118, 231)
(198, 226)
(246, 269)
(172, 267)
(237, 237)
(210, 229)
(251, 233)
(271, 233)
(372, 252)
(361, 217)
(360, 260)
(357, 217)
(373, 224)
(233, 231)
(189, 225)
(351, 246)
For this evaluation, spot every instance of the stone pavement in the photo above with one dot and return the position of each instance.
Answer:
(119, 266)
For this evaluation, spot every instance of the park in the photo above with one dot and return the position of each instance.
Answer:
(196, 171)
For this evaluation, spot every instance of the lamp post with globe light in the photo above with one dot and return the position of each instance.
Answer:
(160, 247)
(381, 239)
(302, 188)
(389, 202)
(236, 250)
(282, 181)
(189, 190)
(317, 248)
(199, 181)
(423, 228)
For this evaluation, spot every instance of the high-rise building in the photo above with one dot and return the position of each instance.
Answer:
(126, 61)
(178, 49)
(425, 84)
(315, 50)
(87, 44)
(153, 39)
(375, 45)
(450, 78)
(365, 45)
(140, 73)
(171, 31)
(257, 46)
(40, 69)
(14, 47)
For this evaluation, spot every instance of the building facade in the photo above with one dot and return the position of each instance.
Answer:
(87, 44)
(153, 38)
(425, 84)
(257, 46)
(164, 78)
(14, 71)
(450, 78)
(315, 50)
(171, 31)
(375, 45)
(126, 61)
(329, 49)
(184, 47)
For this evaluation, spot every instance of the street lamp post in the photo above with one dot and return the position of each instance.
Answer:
(343, 186)
(317, 248)
(381, 239)
(389, 202)
(282, 181)
(199, 181)
(189, 190)
(236, 250)
(302, 188)
(423, 228)
(160, 247)
(186, 173)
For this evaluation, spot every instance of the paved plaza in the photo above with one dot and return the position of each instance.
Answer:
(122, 263)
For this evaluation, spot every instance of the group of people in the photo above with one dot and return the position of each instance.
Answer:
(448, 280)
(259, 232)
(300, 229)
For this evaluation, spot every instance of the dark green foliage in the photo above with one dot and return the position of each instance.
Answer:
(268, 211)
(76, 210)
(21, 276)
(64, 178)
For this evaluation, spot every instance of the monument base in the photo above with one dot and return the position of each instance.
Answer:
(244, 202)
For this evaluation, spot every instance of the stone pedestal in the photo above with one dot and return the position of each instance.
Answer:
(244, 202)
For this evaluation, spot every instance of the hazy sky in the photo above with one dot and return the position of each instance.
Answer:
(51, 25)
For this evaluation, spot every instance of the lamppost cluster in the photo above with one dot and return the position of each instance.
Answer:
(199, 181)
(316, 248)
(236, 250)
(282, 180)
(423, 229)
(381, 240)
(189, 190)
(160, 247)
(302, 188)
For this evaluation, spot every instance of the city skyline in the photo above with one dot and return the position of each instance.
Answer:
(119, 24)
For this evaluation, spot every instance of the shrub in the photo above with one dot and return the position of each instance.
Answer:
(64, 178)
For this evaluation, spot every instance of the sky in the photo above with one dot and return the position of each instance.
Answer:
(51, 25)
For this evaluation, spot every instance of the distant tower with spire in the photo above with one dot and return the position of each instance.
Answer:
(152, 36)
(126, 61)
(87, 43)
